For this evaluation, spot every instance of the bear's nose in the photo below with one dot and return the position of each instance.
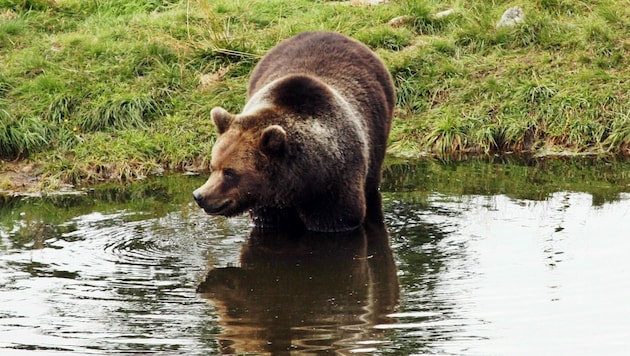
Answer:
(198, 197)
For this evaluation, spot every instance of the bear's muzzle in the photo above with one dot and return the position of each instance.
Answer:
(211, 207)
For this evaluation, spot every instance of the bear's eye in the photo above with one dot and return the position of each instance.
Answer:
(230, 174)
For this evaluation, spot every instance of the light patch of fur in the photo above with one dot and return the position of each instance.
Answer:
(259, 101)
(324, 135)
(232, 151)
(360, 128)
(319, 136)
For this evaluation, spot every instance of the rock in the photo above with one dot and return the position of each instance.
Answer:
(358, 2)
(511, 17)
(368, 2)
(444, 13)
(404, 20)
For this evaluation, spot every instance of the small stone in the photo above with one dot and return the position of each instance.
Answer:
(511, 17)
(368, 2)
(444, 13)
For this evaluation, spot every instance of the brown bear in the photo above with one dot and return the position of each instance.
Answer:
(310, 141)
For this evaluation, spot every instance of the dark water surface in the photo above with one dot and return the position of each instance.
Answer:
(486, 258)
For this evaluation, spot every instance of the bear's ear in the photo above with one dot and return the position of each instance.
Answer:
(222, 119)
(273, 139)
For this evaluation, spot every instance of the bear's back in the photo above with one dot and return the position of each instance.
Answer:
(345, 64)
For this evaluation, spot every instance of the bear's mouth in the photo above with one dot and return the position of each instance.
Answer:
(218, 210)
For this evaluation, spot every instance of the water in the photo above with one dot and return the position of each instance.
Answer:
(486, 258)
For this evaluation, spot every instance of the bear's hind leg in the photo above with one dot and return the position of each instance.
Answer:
(374, 206)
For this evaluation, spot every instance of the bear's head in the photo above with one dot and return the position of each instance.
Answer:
(288, 153)
(240, 161)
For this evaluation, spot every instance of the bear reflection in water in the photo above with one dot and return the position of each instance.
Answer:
(305, 291)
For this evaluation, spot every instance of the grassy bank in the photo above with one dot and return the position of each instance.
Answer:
(113, 89)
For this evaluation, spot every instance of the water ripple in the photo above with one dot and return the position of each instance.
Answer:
(469, 275)
(106, 281)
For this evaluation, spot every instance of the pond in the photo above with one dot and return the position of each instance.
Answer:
(480, 257)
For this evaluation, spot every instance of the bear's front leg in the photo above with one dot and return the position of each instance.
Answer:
(334, 216)
(275, 218)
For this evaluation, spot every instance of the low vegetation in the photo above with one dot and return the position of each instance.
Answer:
(112, 89)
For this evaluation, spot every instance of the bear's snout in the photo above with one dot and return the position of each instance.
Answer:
(212, 207)
(198, 197)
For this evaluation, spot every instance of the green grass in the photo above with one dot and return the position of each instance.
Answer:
(114, 89)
